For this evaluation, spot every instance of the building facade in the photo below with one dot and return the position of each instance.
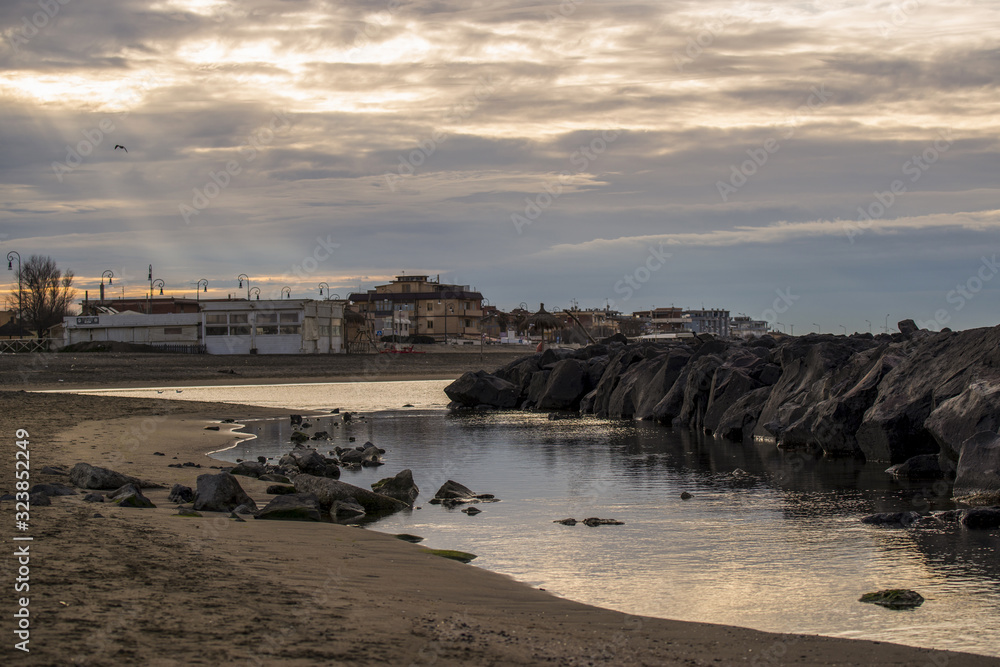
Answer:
(742, 326)
(426, 308)
(712, 321)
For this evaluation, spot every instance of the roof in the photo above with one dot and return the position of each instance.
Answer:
(413, 296)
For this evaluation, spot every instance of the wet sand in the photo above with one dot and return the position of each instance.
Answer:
(143, 586)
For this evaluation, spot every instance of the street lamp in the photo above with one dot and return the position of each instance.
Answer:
(156, 283)
(321, 286)
(817, 327)
(245, 277)
(286, 290)
(20, 297)
(110, 275)
(780, 324)
(255, 291)
(197, 293)
(869, 325)
(844, 328)
(887, 322)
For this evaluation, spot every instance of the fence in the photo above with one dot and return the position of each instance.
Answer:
(26, 345)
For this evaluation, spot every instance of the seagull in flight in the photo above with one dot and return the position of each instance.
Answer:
(117, 146)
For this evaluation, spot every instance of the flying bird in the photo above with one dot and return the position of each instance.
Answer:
(117, 146)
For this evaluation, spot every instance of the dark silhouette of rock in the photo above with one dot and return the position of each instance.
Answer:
(594, 521)
(981, 518)
(330, 490)
(925, 466)
(280, 490)
(737, 423)
(129, 496)
(974, 410)
(180, 494)
(86, 476)
(248, 469)
(291, 507)
(565, 386)
(566, 522)
(481, 388)
(401, 487)
(346, 510)
(275, 477)
(93, 498)
(978, 472)
(220, 493)
(54, 490)
(310, 462)
(896, 598)
(907, 327)
(898, 519)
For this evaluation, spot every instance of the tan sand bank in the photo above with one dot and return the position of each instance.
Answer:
(145, 587)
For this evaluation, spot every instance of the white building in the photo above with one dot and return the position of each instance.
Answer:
(285, 326)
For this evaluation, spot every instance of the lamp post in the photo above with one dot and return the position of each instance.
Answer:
(869, 325)
(321, 286)
(286, 290)
(20, 296)
(793, 330)
(817, 327)
(887, 322)
(157, 283)
(110, 275)
(844, 328)
(149, 301)
(197, 292)
(245, 277)
(779, 324)
(255, 291)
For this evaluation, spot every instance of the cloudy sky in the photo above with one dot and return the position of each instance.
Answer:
(819, 164)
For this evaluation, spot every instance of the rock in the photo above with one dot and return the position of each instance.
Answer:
(93, 498)
(274, 477)
(907, 327)
(897, 519)
(292, 507)
(246, 508)
(346, 509)
(565, 386)
(299, 436)
(158, 454)
(974, 410)
(295, 419)
(310, 462)
(594, 521)
(280, 490)
(401, 487)
(330, 490)
(729, 385)
(38, 500)
(406, 537)
(978, 472)
(129, 496)
(739, 420)
(184, 511)
(53, 470)
(895, 598)
(472, 511)
(180, 494)
(236, 517)
(924, 466)
(981, 518)
(211, 428)
(452, 493)
(86, 476)
(248, 469)
(477, 388)
(566, 522)
(366, 455)
(220, 493)
(686, 496)
(54, 490)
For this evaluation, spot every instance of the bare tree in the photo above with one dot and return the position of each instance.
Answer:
(45, 294)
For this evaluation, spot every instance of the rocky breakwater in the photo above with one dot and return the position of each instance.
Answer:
(924, 401)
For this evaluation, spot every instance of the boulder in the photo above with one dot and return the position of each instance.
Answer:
(481, 388)
(310, 462)
(565, 385)
(978, 472)
(594, 521)
(330, 490)
(974, 410)
(907, 327)
(275, 477)
(346, 510)
(981, 518)
(129, 496)
(54, 490)
(898, 519)
(536, 387)
(86, 476)
(291, 507)
(401, 487)
(180, 494)
(220, 493)
(740, 418)
(924, 466)
(729, 385)
(280, 490)
(248, 469)
(366, 455)
(93, 498)
(894, 598)
(566, 522)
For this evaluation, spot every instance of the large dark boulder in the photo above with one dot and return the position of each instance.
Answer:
(481, 388)
(86, 476)
(248, 469)
(401, 487)
(220, 493)
(452, 493)
(129, 496)
(925, 466)
(981, 518)
(739, 420)
(54, 490)
(181, 494)
(309, 461)
(292, 507)
(978, 472)
(729, 385)
(366, 455)
(934, 368)
(974, 410)
(330, 490)
(536, 387)
(698, 389)
(564, 386)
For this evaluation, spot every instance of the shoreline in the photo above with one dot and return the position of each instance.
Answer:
(416, 608)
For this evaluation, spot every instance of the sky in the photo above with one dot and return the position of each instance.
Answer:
(822, 165)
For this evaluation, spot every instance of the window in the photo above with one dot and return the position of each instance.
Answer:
(290, 329)
(335, 330)
(430, 324)
(238, 318)
(467, 323)
(216, 331)
(289, 317)
(215, 318)
(172, 331)
(267, 331)
(267, 318)
(430, 306)
(239, 331)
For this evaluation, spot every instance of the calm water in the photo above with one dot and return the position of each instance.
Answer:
(780, 549)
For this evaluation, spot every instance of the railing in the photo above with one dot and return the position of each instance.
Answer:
(26, 345)
(180, 348)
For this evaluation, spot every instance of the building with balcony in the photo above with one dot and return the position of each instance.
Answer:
(742, 326)
(711, 321)
(426, 308)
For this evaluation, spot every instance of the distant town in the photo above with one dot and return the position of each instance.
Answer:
(411, 310)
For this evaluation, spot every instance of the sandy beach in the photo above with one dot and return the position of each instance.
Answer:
(144, 586)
